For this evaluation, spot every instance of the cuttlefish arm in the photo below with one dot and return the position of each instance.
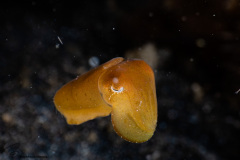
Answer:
(79, 100)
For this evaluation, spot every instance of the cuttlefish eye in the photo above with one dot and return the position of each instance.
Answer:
(123, 88)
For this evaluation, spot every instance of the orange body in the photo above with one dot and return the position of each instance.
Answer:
(123, 88)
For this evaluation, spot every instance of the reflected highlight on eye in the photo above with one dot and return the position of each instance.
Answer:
(123, 88)
(117, 90)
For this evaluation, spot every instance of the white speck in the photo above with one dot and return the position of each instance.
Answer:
(57, 46)
(115, 80)
(214, 15)
(117, 91)
(191, 60)
(113, 28)
(140, 103)
(151, 14)
(38, 136)
(93, 61)
(60, 40)
(110, 96)
(179, 30)
(201, 43)
(184, 18)
(137, 110)
(237, 91)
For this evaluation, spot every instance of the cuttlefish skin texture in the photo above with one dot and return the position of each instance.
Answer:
(123, 88)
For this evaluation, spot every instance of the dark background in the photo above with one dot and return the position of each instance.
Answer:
(197, 76)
